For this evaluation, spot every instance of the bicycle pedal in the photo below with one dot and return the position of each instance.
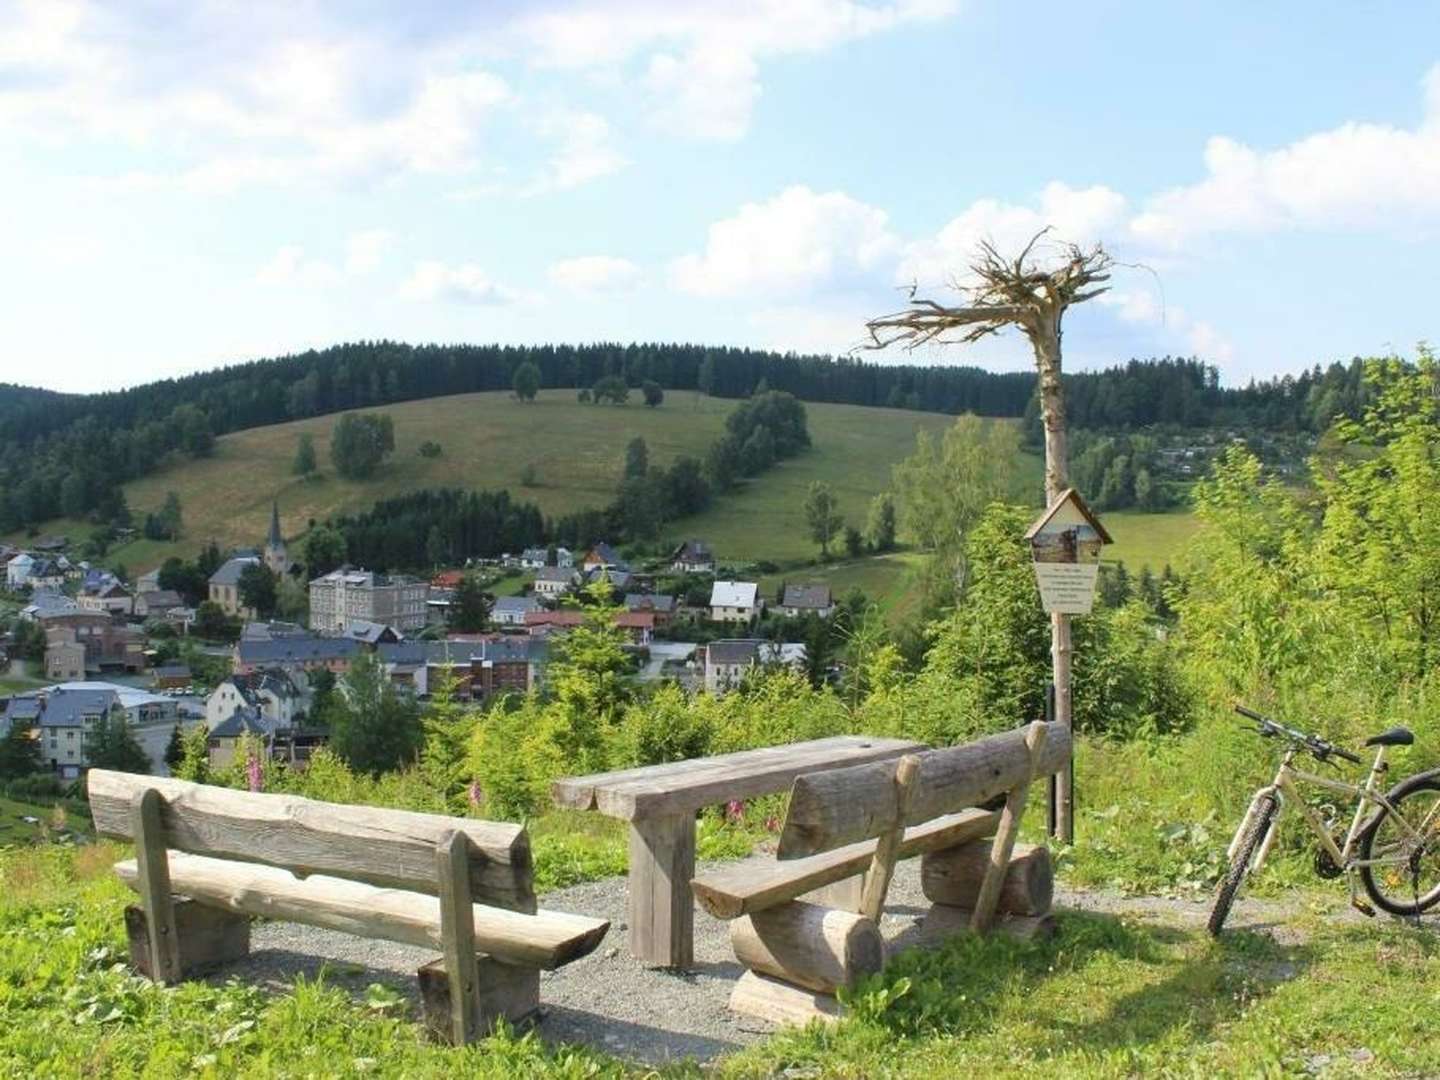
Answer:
(1362, 907)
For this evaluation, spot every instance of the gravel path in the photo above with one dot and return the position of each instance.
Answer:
(610, 1001)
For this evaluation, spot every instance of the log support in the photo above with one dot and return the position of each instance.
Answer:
(662, 910)
(1005, 834)
(943, 921)
(781, 1003)
(811, 946)
(954, 877)
(503, 991)
(207, 937)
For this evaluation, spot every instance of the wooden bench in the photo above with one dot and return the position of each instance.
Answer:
(660, 803)
(209, 858)
(857, 821)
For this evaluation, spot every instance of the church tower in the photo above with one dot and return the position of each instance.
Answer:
(276, 557)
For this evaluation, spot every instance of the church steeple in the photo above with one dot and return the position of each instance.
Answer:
(274, 540)
(276, 557)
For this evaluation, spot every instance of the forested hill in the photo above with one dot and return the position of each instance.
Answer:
(69, 453)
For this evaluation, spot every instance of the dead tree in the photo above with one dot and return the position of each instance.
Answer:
(1033, 296)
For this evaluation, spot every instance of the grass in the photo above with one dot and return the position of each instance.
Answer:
(883, 578)
(15, 831)
(1107, 997)
(1148, 539)
(20, 676)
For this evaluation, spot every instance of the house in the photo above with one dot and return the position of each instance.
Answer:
(602, 556)
(105, 645)
(296, 655)
(171, 677)
(109, 596)
(148, 582)
(157, 603)
(511, 610)
(540, 623)
(69, 711)
(272, 693)
(17, 571)
(554, 581)
(662, 607)
(447, 579)
(617, 579)
(692, 557)
(65, 661)
(45, 606)
(534, 558)
(46, 574)
(225, 585)
(182, 618)
(638, 626)
(481, 669)
(225, 737)
(729, 660)
(370, 633)
(735, 601)
(346, 594)
(564, 558)
(800, 600)
(272, 631)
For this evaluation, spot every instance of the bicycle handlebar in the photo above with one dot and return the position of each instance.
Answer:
(1321, 748)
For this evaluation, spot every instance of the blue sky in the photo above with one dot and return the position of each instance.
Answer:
(185, 185)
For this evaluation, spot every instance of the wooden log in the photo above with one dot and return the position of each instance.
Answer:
(390, 848)
(887, 844)
(842, 895)
(737, 890)
(1006, 832)
(457, 936)
(152, 879)
(780, 1003)
(944, 921)
(808, 945)
(662, 910)
(954, 876)
(207, 936)
(546, 939)
(685, 786)
(843, 806)
(505, 992)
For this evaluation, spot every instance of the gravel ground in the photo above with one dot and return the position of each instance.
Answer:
(610, 1001)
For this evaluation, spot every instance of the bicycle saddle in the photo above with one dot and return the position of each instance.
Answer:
(1396, 736)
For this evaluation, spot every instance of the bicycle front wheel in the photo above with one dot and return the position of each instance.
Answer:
(1400, 869)
(1240, 865)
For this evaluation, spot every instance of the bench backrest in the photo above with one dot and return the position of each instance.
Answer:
(389, 848)
(842, 806)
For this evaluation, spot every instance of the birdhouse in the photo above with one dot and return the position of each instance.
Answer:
(1065, 543)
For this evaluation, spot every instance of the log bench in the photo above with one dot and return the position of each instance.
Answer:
(845, 823)
(207, 859)
(660, 803)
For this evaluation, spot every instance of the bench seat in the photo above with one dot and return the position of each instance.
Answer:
(546, 939)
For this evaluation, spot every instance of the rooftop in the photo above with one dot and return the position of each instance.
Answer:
(733, 594)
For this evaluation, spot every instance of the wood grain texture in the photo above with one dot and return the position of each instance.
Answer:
(887, 844)
(662, 910)
(732, 891)
(505, 992)
(808, 945)
(686, 786)
(1007, 830)
(781, 1003)
(208, 937)
(546, 939)
(457, 936)
(152, 881)
(842, 806)
(953, 877)
(389, 848)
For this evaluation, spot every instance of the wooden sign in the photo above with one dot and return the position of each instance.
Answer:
(1065, 544)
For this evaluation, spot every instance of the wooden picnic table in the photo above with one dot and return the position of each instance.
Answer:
(660, 802)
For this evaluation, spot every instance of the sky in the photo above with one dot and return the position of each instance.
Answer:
(185, 185)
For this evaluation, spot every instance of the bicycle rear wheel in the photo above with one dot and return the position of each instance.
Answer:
(1250, 842)
(1405, 876)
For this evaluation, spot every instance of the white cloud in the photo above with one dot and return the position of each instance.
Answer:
(799, 239)
(464, 283)
(1354, 175)
(701, 58)
(583, 151)
(366, 249)
(595, 273)
(289, 266)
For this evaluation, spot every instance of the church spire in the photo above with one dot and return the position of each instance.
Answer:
(274, 540)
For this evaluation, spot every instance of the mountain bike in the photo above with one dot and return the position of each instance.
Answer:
(1392, 845)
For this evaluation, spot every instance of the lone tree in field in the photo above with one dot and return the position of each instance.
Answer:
(1032, 295)
(822, 515)
(526, 382)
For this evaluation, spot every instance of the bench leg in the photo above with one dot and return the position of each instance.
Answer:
(504, 992)
(206, 937)
(662, 911)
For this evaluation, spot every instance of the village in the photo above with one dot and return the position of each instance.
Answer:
(679, 620)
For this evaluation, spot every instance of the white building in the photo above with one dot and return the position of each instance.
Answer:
(728, 661)
(69, 711)
(17, 571)
(553, 581)
(345, 595)
(735, 601)
(272, 693)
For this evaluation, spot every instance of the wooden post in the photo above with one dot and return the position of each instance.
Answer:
(662, 910)
(887, 846)
(1004, 843)
(1064, 779)
(154, 881)
(457, 932)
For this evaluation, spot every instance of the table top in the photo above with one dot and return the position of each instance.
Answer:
(685, 786)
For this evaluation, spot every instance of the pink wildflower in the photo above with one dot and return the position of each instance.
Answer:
(473, 793)
(734, 811)
(772, 824)
(253, 773)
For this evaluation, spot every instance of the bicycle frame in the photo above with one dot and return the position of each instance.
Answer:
(1286, 787)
